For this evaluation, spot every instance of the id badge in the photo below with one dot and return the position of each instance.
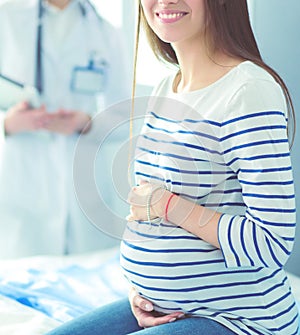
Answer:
(88, 80)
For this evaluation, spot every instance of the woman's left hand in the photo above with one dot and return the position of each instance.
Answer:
(138, 197)
(144, 313)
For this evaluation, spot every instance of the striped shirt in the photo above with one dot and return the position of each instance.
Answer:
(224, 147)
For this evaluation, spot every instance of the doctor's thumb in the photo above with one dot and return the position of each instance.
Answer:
(42, 109)
(24, 105)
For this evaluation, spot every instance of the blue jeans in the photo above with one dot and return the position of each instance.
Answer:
(117, 319)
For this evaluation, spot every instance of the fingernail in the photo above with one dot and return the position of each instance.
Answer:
(180, 316)
(148, 307)
(172, 320)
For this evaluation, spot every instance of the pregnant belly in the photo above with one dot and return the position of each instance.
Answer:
(168, 265)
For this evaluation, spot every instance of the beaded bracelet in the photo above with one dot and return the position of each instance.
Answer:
(148, 208)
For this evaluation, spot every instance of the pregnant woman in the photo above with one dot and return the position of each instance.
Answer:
(212, 214)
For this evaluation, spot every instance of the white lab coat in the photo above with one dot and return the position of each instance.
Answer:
(39, 213)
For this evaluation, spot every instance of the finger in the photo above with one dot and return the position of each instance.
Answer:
(42, 108)
(166, 319)
(131, 294)
(37, 113)
(129, 197)
(142, 303)
(129, 218)
(24, 105)
(132, 197)
(131, 214)
(146, 319)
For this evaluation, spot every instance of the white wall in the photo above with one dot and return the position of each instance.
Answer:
(277, 26)
(111, 10)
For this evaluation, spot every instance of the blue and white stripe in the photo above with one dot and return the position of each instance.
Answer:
(224, 147)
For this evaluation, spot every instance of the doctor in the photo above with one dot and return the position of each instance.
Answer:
(75, 60)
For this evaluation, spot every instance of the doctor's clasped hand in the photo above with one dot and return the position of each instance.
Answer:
(68, 122)
(24, 118)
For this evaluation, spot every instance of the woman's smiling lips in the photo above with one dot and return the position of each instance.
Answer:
(167, 16)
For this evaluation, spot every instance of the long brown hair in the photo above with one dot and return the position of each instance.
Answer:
(230, 31)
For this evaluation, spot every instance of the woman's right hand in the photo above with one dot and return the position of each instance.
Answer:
(143, 311)
(22, 117)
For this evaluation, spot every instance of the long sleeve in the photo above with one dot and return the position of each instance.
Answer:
(256, 148)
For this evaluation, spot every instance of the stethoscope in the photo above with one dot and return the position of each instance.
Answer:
(83, 4)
